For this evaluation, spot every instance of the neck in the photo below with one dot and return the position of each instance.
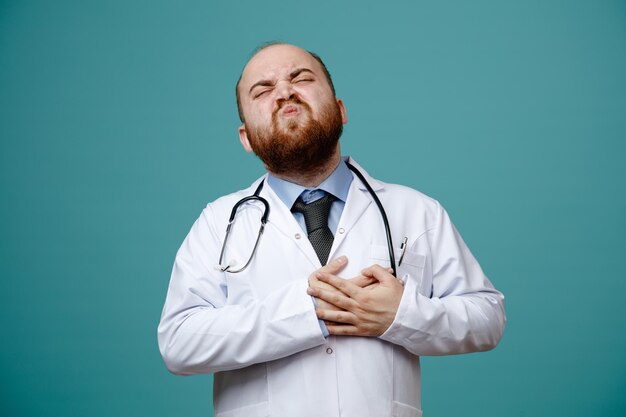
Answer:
(315, 177)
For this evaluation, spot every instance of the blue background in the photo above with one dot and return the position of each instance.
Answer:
(118, 124)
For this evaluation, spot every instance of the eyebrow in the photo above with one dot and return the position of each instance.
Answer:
(299, 71)
(292, 75)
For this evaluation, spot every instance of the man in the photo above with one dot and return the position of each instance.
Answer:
(291, 334)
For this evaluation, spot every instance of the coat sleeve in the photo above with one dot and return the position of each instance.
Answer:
(462, 312)
(201, 331)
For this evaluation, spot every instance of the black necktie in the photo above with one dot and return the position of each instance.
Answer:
(316, 219)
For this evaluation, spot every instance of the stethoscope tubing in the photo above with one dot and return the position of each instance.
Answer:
(256, 197)
(392, 257)
(233, 214)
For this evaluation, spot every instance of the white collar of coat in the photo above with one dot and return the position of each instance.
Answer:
(374, 183)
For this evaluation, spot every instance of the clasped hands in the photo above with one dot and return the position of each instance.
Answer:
(365, 305)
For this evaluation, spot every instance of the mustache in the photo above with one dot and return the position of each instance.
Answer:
(292, 100)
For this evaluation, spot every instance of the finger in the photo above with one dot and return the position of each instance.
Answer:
(344, 330)
(343, 285)
(319, 284)
(362, 280)
(367, 272)
(335, 265)
(338, 317)
(334, 297)
(332, 267)
(378, 272)
(323, 305)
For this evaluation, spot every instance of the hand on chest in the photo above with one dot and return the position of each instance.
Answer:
(285, 253)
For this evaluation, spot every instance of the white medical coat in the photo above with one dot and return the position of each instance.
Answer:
(258, 332)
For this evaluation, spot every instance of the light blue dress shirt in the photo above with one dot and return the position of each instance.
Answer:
(337, 184)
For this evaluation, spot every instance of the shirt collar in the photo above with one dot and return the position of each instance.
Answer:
(337, 184)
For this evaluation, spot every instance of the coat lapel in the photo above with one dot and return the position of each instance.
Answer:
(282, 219)
(357, 202)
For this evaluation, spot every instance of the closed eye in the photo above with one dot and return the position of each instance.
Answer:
(261, 93)
(301, 75)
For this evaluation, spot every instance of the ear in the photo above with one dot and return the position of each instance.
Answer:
(243, 138)
(342, 110)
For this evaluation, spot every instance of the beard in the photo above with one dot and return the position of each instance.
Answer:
(300, 146)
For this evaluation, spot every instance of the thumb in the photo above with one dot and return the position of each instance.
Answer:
(334, 266)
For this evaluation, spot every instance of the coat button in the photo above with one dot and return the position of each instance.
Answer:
(298, 236)
(329, 350)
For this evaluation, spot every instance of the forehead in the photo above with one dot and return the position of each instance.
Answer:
(275, 61)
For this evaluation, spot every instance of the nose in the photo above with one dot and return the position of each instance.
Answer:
(284, 91)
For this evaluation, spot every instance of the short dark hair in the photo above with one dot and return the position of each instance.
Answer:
(267, 45)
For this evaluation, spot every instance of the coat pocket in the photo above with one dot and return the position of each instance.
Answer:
(412, 266)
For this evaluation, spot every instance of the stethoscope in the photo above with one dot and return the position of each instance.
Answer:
(256, 197)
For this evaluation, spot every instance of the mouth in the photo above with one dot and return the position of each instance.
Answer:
(289, 111)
